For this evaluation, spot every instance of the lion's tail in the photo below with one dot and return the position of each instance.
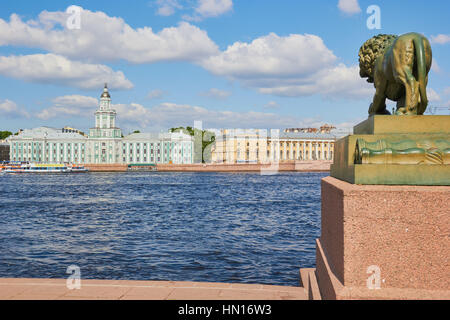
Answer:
(421, 73)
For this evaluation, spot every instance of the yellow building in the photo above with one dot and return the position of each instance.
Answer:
(264, 146)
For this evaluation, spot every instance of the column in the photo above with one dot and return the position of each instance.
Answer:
(310, 150)
(303, 150)
(329, 149)
(322, 157)
(317, 150)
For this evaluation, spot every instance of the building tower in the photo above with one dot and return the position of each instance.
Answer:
(105, 137)
(105, 119)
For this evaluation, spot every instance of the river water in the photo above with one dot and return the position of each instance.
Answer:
(214, 227)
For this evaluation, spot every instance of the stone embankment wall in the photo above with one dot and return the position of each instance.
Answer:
(282, 166)
(106, 167)
(307, 166)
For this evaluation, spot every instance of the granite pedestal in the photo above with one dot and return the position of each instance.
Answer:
(401, 230)
(385, 230)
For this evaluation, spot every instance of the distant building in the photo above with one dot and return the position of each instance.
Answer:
(176, 148)
(326, 128)
(104, 145)
(4, 151)
(264, 146)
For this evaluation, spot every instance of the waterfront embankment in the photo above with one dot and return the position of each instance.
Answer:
(56, 289)
(291, 166)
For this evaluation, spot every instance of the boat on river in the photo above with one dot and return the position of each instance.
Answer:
(43, 168)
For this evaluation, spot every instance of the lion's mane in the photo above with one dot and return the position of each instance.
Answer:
(370, 51)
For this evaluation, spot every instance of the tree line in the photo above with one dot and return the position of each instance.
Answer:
(5, 134)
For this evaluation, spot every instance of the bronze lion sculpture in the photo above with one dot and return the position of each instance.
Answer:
(398, 67)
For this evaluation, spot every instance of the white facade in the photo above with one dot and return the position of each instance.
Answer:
(46, 144)
(174, 148)
(263, 146)
(105, 144)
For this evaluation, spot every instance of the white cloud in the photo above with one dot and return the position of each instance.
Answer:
(432, 95)
(69, 106)
(336, 82)
(271, 56)
(435, 66)
(155, 94)
(106, 38)
(55, 69)
(168, 115)
(75, 101)
(216, 94)
(349, 6)
(57, 112)
(10, 109)
(296, 65)
(213, 8)
(440, 39)
(272, 105)
(209, 9)
(167, 7)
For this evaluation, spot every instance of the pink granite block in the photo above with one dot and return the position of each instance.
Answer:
(403, 230)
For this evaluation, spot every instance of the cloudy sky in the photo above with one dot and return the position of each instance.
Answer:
(228, 63)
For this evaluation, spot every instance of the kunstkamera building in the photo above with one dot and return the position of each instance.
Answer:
(104, 145)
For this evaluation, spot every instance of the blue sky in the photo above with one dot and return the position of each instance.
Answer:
(228, 63)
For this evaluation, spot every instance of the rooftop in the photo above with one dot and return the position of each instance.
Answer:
(157, 136)
(48, 133)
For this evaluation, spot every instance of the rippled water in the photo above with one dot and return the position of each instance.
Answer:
(212, 227)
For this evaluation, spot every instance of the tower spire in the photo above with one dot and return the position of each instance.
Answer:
(105, 93)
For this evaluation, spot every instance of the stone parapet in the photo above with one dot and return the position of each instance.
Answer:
(106, 167)
(401, 231)
(309, 166)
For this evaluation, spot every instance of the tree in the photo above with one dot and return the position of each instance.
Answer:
(202, 139)
(5, 134)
